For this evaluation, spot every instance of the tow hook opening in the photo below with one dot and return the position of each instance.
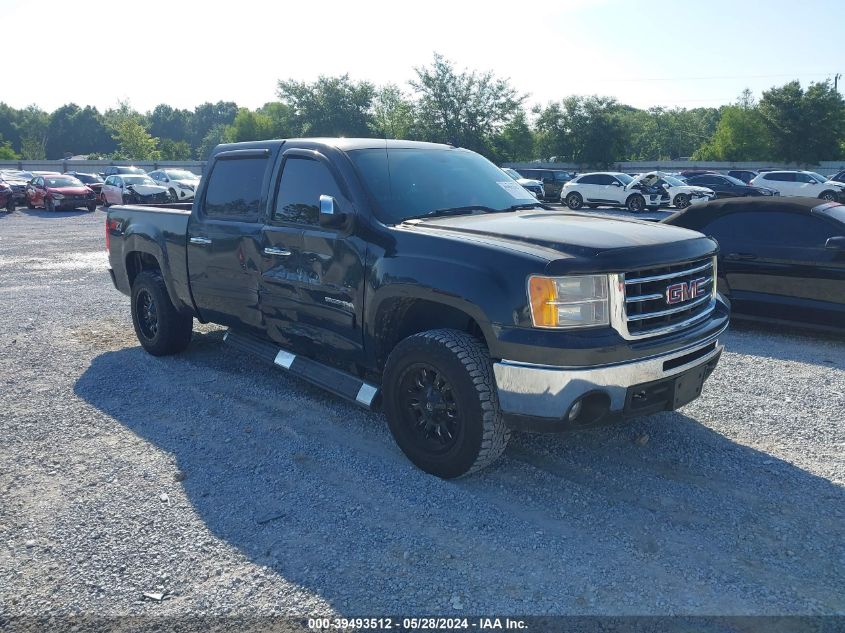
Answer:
(588, 409)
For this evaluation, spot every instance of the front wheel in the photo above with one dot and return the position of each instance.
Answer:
(636, 203)
(681, 201)
(10, 205)
(49, 205)
(92, 206)
(441, 403)
(574, 201)
(159, 326)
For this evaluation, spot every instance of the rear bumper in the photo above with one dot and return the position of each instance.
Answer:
(540, 397)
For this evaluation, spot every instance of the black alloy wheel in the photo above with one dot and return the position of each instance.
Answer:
(147, 314)
(431, 412)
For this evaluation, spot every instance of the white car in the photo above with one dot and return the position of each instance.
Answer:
(801, 183)
(133, 189)
(181, 183)
(535, 187)
(611, 188)
(681, 195)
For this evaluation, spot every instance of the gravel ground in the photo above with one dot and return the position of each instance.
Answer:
(231, 488)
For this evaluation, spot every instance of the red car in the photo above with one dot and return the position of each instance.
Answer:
(55, 192)
(7, 197)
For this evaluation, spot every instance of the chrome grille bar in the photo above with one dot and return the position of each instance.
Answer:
(680, 273)
(661, 313)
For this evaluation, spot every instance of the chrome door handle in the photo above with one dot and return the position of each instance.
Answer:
(200, 240)
(276, 251)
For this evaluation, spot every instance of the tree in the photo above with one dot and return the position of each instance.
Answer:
(740, 134)
(32, 128)
(249, 126)
(168, 122)
(207, 116)
(393, 113)
(134, 142)
(516, 141)
(330, 106)
(174, 150)
(6, 151)
(75, 130)
(463, 108)
(213, 138)
(584, 130)
(805, 127)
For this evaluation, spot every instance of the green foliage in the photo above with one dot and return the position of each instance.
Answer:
(6, 151)
(584, 130)
(516, 142)
(463, 108)
(330, 106)
(133, 140)
(393, 114)
(174, 150)
(740, 134)
(213, 138)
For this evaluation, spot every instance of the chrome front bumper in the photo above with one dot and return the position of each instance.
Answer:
(547, 392)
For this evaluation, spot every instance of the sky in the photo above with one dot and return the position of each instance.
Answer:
(184, 52)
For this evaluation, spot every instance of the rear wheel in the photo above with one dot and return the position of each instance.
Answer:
(635, 203)
(574, 201)
(441, 403)
(161, 329)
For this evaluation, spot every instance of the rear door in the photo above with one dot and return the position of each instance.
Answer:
(312, 277)
(224, 239)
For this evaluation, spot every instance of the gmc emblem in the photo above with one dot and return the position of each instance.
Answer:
(684, 291)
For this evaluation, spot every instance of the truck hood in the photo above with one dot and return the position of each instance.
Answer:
(570, 236)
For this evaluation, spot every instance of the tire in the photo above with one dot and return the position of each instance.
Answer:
(160, 328)
(10, 205)
(48, 205)
(459, 429)
(830, 196)
(574, 201)
(105, 202)
(173, 195)
(635, 203)
(92, 207)
(29, 204)
(681, 201)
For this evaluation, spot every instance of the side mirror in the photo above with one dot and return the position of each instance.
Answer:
(665, 186)
(836, 243)
(330, 215)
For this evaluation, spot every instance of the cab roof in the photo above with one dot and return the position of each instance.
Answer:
(342, 144)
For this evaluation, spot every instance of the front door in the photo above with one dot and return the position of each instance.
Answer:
(312, 277)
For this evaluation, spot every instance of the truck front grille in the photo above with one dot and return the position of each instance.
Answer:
(666, 298)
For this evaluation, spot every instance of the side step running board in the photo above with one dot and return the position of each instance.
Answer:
(334, 380)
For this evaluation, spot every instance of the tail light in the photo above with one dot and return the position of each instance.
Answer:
(111, 225)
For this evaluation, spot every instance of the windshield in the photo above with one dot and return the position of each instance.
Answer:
(130, 170)
(138, 180)
(88, 178)
(180, 174)
(674, 182)
(818, 177)
(734, 181)
(62, 181)
(407, 183)
(510, 172)
(625, 178)
(837, 212)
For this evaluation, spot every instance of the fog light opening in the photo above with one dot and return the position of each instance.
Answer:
(588, 409)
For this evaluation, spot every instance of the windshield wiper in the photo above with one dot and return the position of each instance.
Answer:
(475, 207)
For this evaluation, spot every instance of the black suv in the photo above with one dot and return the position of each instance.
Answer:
(553, 180)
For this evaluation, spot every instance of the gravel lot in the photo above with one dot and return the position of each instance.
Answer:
(230, 487)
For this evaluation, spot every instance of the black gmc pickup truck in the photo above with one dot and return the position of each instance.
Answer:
(421, 279)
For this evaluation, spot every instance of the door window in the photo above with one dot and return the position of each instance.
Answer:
(803, 178)
(592, 179)
(234, 189)
(771, 227)
(302, 183)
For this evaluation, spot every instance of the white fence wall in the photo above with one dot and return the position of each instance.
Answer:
(97, 166)
(826, 168)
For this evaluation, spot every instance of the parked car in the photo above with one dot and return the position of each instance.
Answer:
(93, 181)
(611, 188)
(745, 175)
(839, 177)
(801, 183)
(376, 274)
(113, 170)
(780, 259)
(552, 179)
(7, 197)
(18, 181)
(534, 186)
(678, 193)
(57, 192)
(688, 173)
(133, 189)
(729, 187)
(180, 183)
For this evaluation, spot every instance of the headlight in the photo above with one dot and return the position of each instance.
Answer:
(56, 196)
(568, 302)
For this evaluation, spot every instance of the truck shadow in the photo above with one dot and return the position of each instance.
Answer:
(41, 213)
(315, 489)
